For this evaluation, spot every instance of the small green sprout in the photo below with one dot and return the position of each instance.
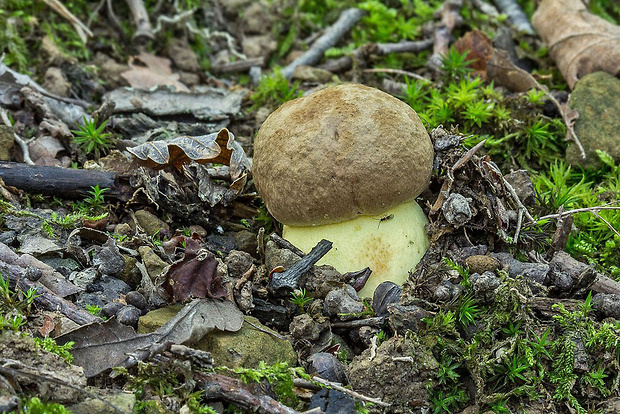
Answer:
(455, 65)
(93, 309)
(50, 345)
(91, 139)
(300, 299)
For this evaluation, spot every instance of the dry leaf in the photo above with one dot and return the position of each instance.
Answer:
(507, 74)
(219, 147)
(493, 64)
(479, 50)
(148, 71)
(195, 276)
(101, 346)
(578, 41)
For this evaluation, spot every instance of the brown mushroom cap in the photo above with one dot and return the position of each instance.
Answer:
(339, 153)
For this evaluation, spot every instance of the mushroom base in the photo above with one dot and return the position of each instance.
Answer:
(390, 244)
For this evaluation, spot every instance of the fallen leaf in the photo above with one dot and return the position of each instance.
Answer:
(578, 41)
(219, 147)
(101, 346)
(479, 50)
(195, 276)
(47, 327)
(493, 64)
(148, 71)
(505, 73)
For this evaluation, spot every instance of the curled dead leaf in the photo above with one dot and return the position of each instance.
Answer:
(195, 276)
(578, 41)
(219, 147)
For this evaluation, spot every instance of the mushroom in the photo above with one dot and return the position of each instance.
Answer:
(345, 164)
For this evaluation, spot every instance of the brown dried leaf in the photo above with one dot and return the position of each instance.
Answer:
(195, 276)
(505, 73)
(578, 41)
(101, 346)
(479, 50)
(148, 71)
(219, 147)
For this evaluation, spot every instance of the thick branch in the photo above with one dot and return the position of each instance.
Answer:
(312, 56)
(289, 278)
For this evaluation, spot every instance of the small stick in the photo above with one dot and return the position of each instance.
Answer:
(20, 142)
(289, 278)
(338, 387)
(580, 210)
(606, 222)
(5, 369)
(397, 72)
(345, 22)
(285, 244)
(358, 323)
(515, 14)
(239, 66)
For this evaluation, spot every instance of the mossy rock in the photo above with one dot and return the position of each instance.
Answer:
(597, 99)
(248, 346)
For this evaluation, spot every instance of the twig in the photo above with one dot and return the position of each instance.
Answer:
(289, 278)
(20, 142)
(397, 72)
(606, 222)
(568, 121)
(144, 30)
(580, 210)
(5, 369)
(285, 244)
(515, 14)
(517, 200)
(312, 56)
(204, 32)
(450, 19)
(217, 386)
(410, 46)
(81, 29)
(353, 394)
(375, 321)
(239, 66)
(485, 8)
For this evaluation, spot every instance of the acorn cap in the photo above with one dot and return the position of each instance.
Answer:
(339, 153)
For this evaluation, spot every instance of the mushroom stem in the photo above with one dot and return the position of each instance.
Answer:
(391, 244)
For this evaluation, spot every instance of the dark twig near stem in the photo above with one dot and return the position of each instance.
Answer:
(289, 278)
(518, 19)
(345, 22)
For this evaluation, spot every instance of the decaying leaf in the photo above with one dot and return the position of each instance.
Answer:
(195, 276)
(101, 346)
(148, 71)
(578, 41)
(493, 64)
(219, 147)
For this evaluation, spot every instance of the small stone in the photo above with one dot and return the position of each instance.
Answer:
(7, 142)
(129, 315)
(456, 210)
(55, 82)
(343, 304)
(249, 346)
(124, 229)
(151, 224)
(311, 74)
(246, 242)
(446, 291)
(484, 285)
(109, 259)
(122, 401)
(33, 273)
(130, 274)
(238, 263)
(607, 304)
(522, 184)
(109, 288)
(481, 264)
(136, 299)
(330, 401)
(155, 319)
(153, 263)
(182, 55)
(304, 327)
(385, 294)
(257, 18)
(536, 272)
(84, 278)
(328, 367)
(258, 46)
(405, 318)
(111, 309)
(596, 98)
